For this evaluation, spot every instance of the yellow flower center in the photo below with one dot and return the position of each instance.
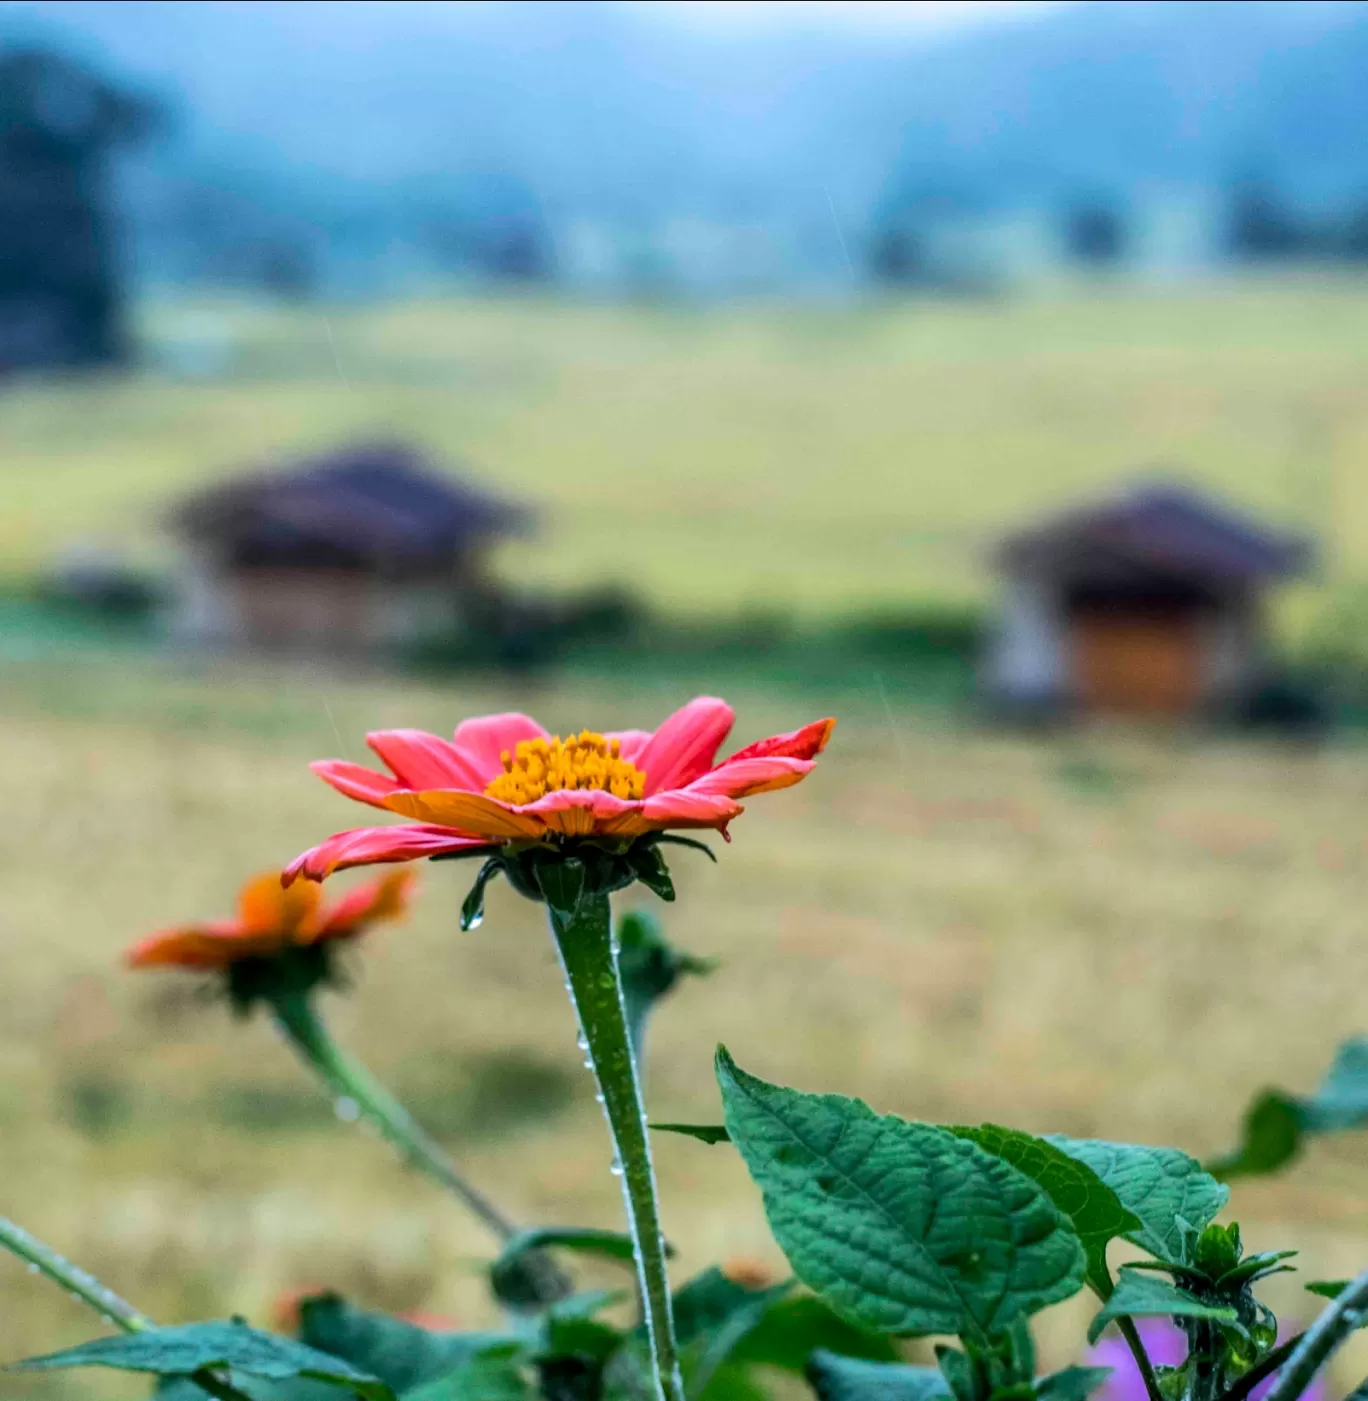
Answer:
(585, 761)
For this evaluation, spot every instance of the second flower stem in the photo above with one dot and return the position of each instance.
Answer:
(348, 1079)
(584, 938)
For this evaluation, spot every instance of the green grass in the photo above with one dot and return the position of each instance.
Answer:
(811, 460)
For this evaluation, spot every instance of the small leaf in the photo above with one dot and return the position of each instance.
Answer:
(704, 1303)
(1095, 1210)
(562, 883)
(901, 1227)
(650, 968)
(1140, 1295)
(651, 870)
(836, 1378)
(704, 1133)
(184, 1349)
(472, 907)
(1071, 1383)
(398, 1352)
(1328, 1288)
(1164, 1187)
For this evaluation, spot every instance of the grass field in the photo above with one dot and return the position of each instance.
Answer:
(1106, 934)
(809, 459)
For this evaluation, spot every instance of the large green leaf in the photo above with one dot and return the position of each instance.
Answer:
(399, 1353)
(1277, 1123)
(184, 1349)
(836, 1378)
(902, 1227)
(1139, 1294)
(1164, 1187)
(1096, 1211)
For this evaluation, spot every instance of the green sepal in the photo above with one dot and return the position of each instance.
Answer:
(837, 1378)
(181, 1350)
(1140, 1295)
(295, 971)
(659, 838)
(472, 907)
(562, 884)
(650, 869)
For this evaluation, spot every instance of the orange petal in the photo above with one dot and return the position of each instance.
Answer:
(373, 846)
(806, 743)
(266, 907)
(377, 900)
(213, 945)
(472, 814)
(684, 747)
(742, 778)
(355, 781)
(578, 812)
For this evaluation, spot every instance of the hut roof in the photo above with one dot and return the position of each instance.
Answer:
(379, 502)
(1161, 526)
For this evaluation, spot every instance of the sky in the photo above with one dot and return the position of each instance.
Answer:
(895, 15)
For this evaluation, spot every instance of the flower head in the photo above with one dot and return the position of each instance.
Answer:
(503, 781)
(277, 933)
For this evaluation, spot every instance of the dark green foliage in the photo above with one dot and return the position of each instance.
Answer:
(509, 1275)
(837, 1378)
(1093, 1207)
(494, 1375)
(399, 1353)
(1277, 1123)
(1139, 1295)
(903, 1228)
(793, 1326)
(184, 1349)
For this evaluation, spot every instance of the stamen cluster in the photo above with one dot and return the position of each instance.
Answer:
(584, 761)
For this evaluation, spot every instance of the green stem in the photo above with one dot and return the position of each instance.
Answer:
(346, 1078)
(1142, 1359)
(1328, 1333)
(584, 938)
(83, 1286)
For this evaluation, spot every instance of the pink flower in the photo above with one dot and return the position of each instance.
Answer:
(503, 778)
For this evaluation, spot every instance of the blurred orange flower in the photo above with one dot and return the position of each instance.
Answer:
(272, 919)
(503, 778)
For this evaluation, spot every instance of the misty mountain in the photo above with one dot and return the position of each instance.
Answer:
(373, 113)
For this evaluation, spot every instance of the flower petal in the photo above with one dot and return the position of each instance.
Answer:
(685, 746)
(471, 814)
(742, 778)
(677, 808)
(420, 760)
(386, 898)
(354, 781)
(483, 740)
(806, 743)
(579, 812)
(213, 945)
(370, 846)
(266, 907)
(630, 742)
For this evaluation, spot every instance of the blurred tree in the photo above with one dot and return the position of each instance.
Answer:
(1261, 226)
(60, 299)
(1094, 233)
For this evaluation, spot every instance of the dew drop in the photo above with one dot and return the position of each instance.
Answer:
(588, 1064)
(582, 1042)
(615, 1167)
(474, 922)
(33, 1270)
(347, 1109)
(600, 1097)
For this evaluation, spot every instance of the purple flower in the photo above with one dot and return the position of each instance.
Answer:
(1167, 1348)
